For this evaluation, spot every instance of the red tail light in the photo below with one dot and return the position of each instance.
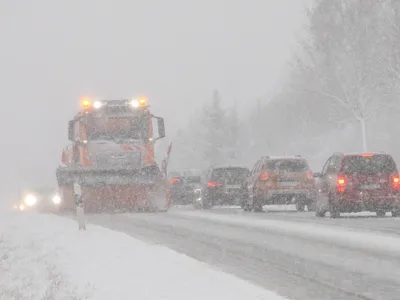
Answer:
(396, 182)
(341, 184)
(213, 184)
(310, 175)
(175, 180)
(264, 176)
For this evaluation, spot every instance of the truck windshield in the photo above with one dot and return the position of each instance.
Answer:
(117, 128)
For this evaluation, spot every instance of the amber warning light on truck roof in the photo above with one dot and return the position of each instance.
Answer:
(139, 102)
(86, 102)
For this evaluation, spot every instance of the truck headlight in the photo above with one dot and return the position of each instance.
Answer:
(30, 200)
(56, 199)
(135, 103)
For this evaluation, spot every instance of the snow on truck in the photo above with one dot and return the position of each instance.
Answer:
(112, 158)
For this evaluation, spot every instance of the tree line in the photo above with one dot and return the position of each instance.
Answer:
(341, 94)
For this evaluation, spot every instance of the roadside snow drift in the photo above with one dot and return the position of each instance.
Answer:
(46, 257)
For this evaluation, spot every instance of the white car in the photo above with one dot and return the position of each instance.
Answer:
(41, 200)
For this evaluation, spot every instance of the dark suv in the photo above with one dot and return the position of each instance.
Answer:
(281, 180)
(358, 182)
(183, 186)
(224, 184)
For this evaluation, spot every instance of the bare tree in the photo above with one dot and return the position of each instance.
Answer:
(349, 59)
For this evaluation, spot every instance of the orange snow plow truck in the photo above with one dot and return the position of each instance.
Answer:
(112, 158)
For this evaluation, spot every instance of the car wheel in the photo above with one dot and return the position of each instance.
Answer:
(319, 213)
(206, 203)
(299, 206)
(206, 206)
(257, 205)
(334, 211)
(312, 206)
(380, 213)
(333, 208)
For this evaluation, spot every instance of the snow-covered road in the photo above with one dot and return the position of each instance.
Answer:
(46, 257)
(296, 254)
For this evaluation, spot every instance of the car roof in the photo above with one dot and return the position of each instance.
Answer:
(362, 153)
(283, 157)
(229, 166)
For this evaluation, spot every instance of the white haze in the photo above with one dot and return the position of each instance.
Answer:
(175, 52)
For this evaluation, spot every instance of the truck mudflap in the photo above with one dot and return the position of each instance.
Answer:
(114, 190)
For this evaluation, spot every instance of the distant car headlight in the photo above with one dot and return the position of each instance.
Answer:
(30, 200)
(56, 199)
(21, 207)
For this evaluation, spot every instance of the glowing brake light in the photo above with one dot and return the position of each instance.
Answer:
(213, 184)
(341, 181)
(367, 155)
(310, 175)
(175, 180)
(263, 176)
(396, 182)
(341, 184)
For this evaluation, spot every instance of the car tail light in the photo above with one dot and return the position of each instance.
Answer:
(310, 175)
(263, 176)
(396, 182)
(213, 184)
(175, 180)
(341, 184)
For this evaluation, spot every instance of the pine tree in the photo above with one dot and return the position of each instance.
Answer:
(213, 118)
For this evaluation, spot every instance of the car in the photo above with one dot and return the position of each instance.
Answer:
(40, 200)
(192, 185)
(224, 184)
(177, 187)
(281, 180)
(358, 182)
(183, 184)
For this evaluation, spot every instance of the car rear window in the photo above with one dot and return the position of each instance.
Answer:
(367, 165)
(174, 174)
(193, 179)
(230, 173)
(287, 165)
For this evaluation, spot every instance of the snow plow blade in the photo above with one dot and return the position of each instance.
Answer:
(114, 190)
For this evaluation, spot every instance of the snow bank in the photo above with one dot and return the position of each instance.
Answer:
(347, 237)
(46, 257)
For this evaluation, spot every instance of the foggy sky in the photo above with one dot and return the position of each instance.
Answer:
(176, 52)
